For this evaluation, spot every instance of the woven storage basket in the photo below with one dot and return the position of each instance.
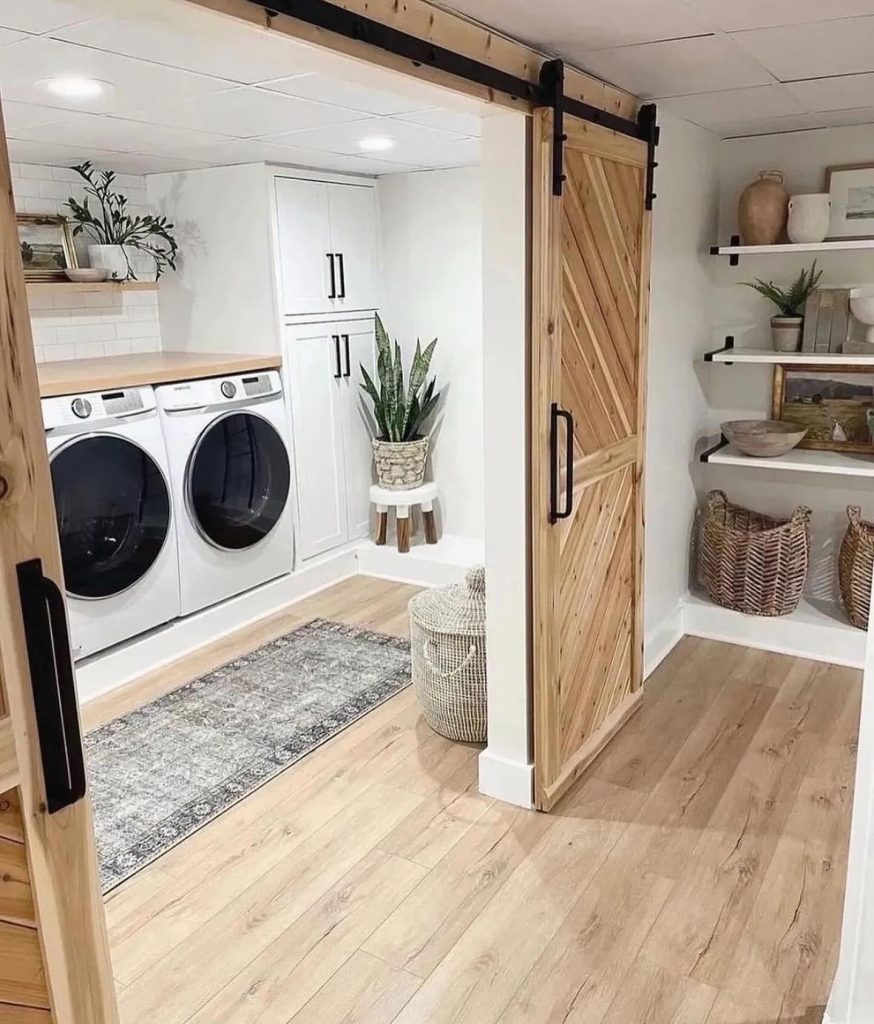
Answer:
(448, 643)
(855, 565)
(750, 562)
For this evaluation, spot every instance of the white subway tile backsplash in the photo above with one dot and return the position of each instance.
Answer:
(117, 348)
(30, 171)
(55, 353)
(90, 350)
(145, 345)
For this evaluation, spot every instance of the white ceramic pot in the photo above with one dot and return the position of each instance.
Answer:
(809, 217)
(112, 258)
(862, 306)
(786, 333)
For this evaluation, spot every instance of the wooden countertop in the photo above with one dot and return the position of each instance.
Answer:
(73, 376)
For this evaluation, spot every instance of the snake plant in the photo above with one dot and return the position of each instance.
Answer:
(400, 410)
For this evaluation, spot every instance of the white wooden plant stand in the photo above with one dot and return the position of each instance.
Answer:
(403, 502)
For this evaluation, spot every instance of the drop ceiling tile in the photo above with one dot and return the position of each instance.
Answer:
(841, 93)
(565, 25)
(115, 134)
(7, 36)
(796, 122)
(714, 108)
(343, 93)
(843, 47)
(42, 15)
(460, 153)
(18, 116)
(681, 67)
(55, 155)
(446, 120)
(734, 15)
(34, 58)
(408, 139)
(196, 40)
(245, 112)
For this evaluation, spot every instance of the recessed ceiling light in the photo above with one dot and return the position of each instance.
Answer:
(375, 143)
(74, 87)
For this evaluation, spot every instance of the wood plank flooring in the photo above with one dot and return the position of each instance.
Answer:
(694, 875)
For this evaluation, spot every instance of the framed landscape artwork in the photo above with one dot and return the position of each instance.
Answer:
(835, 403)
(851, 191)
(46, 245)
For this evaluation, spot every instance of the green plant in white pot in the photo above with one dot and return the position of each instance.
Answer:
(123, 242)
(400, 449)
(787, 325)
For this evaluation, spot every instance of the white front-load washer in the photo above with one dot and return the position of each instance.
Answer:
(110, 478)
(230, 473)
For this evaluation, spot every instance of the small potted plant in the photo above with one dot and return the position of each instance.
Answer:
(400, 450)
(786, 326)
(120, 238)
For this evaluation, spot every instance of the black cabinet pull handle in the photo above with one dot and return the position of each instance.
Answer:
(54, 686)
(348, 372)
(342, 294)
(338, 372)
(333, 294)
(557, 414)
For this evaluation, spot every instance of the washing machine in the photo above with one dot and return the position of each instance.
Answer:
(110, 477)
(230, 475)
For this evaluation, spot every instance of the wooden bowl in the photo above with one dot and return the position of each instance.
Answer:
(764, 439)
(86, 275)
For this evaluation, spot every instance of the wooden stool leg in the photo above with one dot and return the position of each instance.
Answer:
(403, 514)
(430, 525)
(381, 524)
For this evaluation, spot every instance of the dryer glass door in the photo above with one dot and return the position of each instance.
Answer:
(113, 510)
(238, 480)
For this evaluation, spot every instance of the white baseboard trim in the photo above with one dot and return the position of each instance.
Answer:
(806, 633)
(509, 781)
(424, 565)
(123, 664)
(660, 641)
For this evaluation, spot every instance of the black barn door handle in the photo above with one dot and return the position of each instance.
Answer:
(333, 294)
(54, 686)
(555, 513)
(338, 371)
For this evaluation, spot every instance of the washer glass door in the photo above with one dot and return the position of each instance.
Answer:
(113, 510)
(238, 480)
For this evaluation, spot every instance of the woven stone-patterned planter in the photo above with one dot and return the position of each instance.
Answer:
(400, 465)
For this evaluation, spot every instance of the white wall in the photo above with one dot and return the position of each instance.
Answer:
(684, 226)
(744, 391)
(82, 325)
(431, 234)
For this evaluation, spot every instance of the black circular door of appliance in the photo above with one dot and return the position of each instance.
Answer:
(113, 511)
(238, 480)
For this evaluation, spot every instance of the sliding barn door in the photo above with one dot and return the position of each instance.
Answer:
(54, 961)
(590, 299)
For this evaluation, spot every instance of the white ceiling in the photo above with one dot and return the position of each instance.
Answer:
(738, 67)
(192, 88)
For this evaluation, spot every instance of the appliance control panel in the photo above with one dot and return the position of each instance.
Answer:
(258, 385)
(122, 403)
(218, 392)
(88, 411)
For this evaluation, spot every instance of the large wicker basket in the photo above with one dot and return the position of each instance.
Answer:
(448, 643)
(855, 565)
(750, 562)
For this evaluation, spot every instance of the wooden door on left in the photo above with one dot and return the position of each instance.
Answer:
(54, 956)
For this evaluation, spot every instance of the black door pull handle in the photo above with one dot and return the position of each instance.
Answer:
(342, 261)
(54, 686)
(333, 292)
(555, 513)
(348, 372)
(338, 369)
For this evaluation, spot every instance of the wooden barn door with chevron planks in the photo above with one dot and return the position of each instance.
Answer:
(590, 302)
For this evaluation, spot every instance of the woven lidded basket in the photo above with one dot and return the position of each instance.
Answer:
(855, 564)
(448, 644)
(750, 562)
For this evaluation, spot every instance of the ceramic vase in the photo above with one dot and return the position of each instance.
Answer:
(762, 209)
(111, 258)
(809, 217)
(786, 333)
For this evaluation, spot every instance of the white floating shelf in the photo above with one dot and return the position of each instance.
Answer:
(789, 248)
(768, 355)
(799, 460)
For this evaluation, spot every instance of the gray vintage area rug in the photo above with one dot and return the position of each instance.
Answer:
(163, 771)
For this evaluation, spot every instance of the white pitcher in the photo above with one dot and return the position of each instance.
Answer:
(809, 217)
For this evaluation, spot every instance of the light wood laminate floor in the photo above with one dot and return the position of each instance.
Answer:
(693, 876)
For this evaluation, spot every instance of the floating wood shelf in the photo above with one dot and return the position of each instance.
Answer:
(844, 244)
(799, 460)
(768, 355)
(92, 286)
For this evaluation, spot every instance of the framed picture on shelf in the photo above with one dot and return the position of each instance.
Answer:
(851, 192)
(835, 403)
(46, 245)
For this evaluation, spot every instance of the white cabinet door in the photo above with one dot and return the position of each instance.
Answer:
(317, 394)
(358, 343)
(305, 249)
(353, 238)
